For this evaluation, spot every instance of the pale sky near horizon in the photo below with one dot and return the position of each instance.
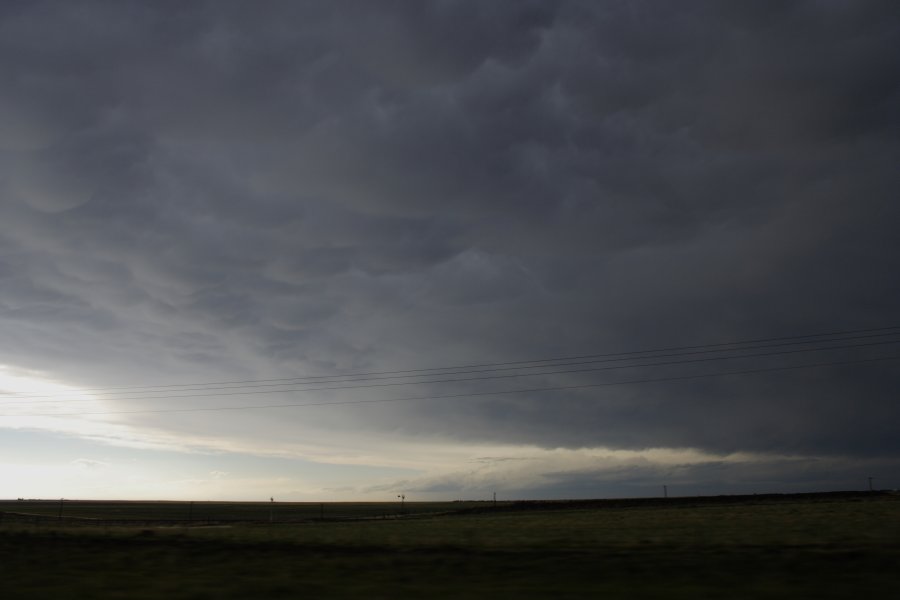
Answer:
(464, 219)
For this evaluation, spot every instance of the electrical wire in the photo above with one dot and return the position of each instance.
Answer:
(470, 379)
(147, 392)
(465, 394)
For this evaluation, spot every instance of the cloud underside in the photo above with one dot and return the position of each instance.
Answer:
(216, 192)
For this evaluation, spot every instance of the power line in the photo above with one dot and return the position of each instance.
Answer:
(889, 330)
(469, 394)
(478, 378)
(655, 354)
(740, 346)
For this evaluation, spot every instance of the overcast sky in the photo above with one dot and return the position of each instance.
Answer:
(200, 192)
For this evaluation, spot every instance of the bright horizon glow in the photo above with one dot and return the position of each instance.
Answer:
(25, 396)
(97, 459)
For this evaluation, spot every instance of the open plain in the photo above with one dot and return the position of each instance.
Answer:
(811, 545)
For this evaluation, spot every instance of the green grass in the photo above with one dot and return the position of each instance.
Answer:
(225, 511)
(834, 549)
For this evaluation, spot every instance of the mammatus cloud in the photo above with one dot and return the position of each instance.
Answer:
(216, 193)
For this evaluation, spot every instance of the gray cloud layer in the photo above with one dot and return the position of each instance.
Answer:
(234, 190)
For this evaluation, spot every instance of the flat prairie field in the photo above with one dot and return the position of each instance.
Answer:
(812, 546)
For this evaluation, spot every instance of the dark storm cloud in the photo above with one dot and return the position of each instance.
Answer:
(196, 191)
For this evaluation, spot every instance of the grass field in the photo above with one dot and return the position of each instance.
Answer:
(198, 513)
(838, 547)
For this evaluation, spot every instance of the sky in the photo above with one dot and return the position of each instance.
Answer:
(350, 250)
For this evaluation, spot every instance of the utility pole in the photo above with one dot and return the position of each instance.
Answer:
(271, 508)
(665, 491)
(871, 489)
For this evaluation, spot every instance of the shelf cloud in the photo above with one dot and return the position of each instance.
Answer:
(235, 192)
